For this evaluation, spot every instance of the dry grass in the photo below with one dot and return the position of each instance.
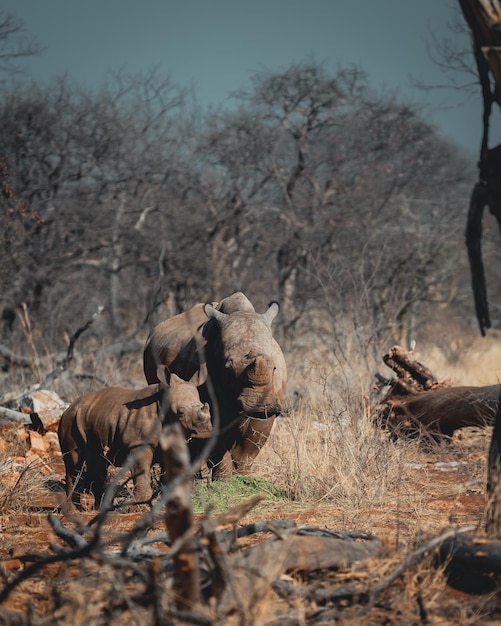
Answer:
(338, 470)
(338, 474)
(352, 469)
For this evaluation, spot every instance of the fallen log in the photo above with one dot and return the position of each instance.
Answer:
(416, 402)
(473, 564)
(7, 416)
(444, 410)
(258, 568)
(298, 553)
(478, 553)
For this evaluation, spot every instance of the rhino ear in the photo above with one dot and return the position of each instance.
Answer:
(200, 376)
(164, 375)
(271, 313)
(212, 312)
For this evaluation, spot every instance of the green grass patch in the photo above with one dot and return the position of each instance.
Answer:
(221, 495)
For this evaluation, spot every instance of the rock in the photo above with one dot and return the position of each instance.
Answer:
(45, 407)
(38, 444)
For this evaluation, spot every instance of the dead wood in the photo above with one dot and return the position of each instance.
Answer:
(367, 595)
(482, 18)
(7, 416)
(12, 618)
(249, 574)
(476, 553)
(417, 402)
(64, 360)
(306, 553)
(49, 379)
(179, 515)
(257, 569)
(223, 587)
(14, 359)
(412, 376)
(274, 526)
(235, 514)
(444, 410)
(473, 564)
(414, 557)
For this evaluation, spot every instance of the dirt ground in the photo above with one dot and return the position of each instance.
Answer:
(447, 491)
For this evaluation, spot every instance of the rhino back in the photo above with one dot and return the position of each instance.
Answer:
(175, 343)
(112, 421)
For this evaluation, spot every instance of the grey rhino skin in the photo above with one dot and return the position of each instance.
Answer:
(103, 427)
(246, 369)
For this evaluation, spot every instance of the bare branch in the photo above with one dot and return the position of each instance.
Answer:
(69, 353)
(15, 42)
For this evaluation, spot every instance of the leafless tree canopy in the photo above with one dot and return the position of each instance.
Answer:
(16, 43)
(340, 202)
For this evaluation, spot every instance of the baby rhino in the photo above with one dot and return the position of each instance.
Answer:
(103, 427)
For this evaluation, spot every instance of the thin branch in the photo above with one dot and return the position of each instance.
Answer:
(69, 353)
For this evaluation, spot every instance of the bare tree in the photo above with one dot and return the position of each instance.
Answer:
(315, 183)
(313, 190)
(97, 166)
(484, 20)
(16, 43)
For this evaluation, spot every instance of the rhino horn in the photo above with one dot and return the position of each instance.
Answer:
(259, 371)
(271, 313)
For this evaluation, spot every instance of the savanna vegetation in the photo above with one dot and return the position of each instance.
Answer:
(338, 200)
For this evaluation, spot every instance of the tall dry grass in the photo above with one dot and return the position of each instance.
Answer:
(328, 453)
(332, 461)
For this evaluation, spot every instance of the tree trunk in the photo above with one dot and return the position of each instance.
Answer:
(493, 508)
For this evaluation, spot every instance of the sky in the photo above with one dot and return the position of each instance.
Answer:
(215, 46)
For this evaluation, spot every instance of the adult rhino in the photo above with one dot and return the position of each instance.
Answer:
(246, 369)
(104, 427)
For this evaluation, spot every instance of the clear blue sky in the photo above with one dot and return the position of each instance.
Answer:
(216, 45)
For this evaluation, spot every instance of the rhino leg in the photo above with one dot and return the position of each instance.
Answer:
(244, 443)
(254, 434)
(73, 466)
(141, 476)
(239, 448)
(221, 466)
(95, 478)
